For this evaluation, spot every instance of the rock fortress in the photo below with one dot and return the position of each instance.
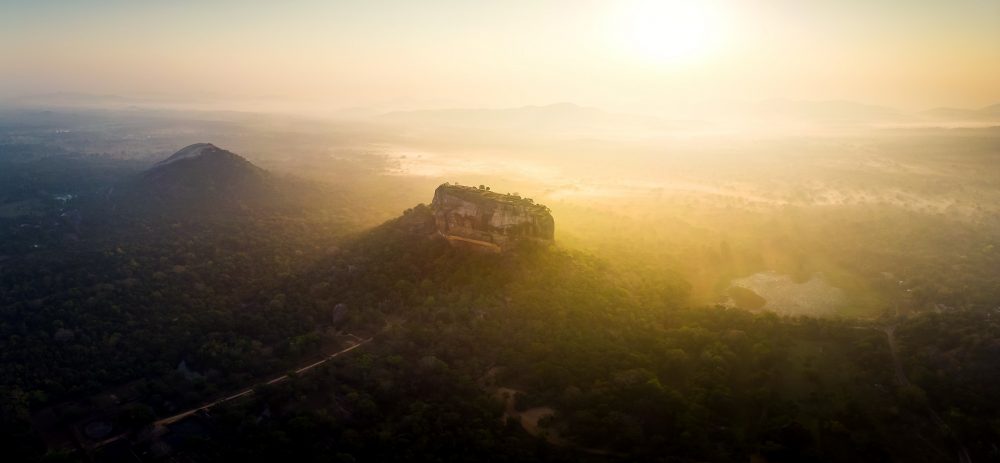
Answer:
(482, 219)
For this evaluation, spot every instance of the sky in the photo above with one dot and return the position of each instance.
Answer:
(911, 54)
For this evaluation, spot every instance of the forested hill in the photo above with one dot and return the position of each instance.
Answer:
(612, 366)
(99, 300)
(544, 353)
(205, 181)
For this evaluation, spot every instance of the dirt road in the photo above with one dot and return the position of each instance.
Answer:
(245, 392)
(903, 381)
(529, 418)
(159, 424)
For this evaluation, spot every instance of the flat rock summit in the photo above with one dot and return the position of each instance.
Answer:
(482, 219)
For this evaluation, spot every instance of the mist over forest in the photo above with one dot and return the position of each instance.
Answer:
(567, 231)
(763, 292)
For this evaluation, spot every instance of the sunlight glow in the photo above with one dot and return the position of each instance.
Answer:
(670, 31)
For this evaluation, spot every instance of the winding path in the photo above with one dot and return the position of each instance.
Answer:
(890, 333)
(248, 391)
(159, 424)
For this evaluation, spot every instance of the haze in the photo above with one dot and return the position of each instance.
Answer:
(500, 231)
(630, 55)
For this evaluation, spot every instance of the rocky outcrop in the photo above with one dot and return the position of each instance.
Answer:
(482, 219)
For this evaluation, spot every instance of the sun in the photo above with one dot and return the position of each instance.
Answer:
(669, 31)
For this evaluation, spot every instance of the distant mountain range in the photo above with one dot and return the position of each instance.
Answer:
(989, 113)
(824, 111)
(555, 118)
(559, 117)
(567, 117)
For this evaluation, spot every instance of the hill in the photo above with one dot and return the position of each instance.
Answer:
(203, 179)
(597, 360)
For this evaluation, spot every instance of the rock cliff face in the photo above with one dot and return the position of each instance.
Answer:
(489, 221)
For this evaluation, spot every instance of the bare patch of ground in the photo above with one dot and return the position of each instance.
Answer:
(814, 297)
(530, 417)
